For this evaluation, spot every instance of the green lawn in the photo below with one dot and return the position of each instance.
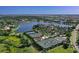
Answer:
(27, 50)
(60, 49)
(14, 43)
(3, 48)
(11, 39)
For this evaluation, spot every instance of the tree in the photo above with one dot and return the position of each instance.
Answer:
(75, 51)
(78, 41)
(25, 40)
(65, 45)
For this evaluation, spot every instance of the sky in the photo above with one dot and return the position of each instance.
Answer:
(39, 10)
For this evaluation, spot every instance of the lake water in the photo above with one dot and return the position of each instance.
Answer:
(24, 27)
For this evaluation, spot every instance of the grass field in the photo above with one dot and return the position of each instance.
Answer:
(14, 43)
(60, 49)
(27, 50)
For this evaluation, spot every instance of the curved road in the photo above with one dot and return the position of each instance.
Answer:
(74, 39)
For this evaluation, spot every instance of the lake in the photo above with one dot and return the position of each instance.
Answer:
(25, 27)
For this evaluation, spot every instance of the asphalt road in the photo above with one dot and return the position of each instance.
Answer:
(74, 39)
